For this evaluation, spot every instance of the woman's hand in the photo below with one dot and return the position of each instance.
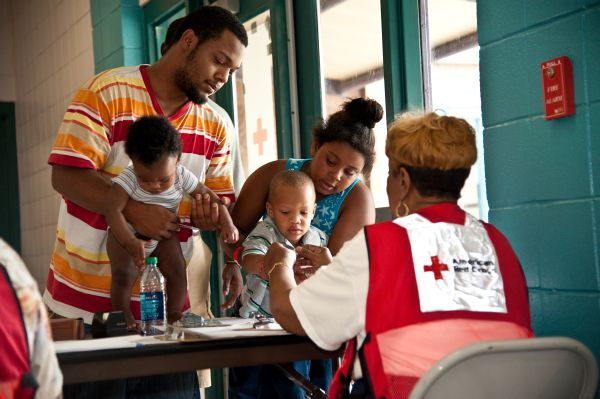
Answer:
(314, 255)
(310, 258)
(278, 263)
(232, 284)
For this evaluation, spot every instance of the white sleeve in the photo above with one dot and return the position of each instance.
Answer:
(189, 181)
(236, 156)
(331, 305)
(126, 179)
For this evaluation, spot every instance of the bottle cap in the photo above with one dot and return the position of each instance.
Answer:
(152, 260)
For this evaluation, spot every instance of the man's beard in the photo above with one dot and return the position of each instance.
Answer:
(185, 84)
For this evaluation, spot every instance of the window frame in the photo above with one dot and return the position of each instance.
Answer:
(283, 85)
(155, 13)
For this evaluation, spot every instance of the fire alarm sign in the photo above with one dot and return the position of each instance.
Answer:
(557, 82)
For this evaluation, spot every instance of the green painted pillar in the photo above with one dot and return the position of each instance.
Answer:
(118, 33)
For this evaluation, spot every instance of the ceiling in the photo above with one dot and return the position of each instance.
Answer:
(351, 32)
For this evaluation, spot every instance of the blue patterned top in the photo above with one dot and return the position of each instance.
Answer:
(328, 208)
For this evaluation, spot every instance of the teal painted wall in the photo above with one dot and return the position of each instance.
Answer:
(118, 33)
(543, 177)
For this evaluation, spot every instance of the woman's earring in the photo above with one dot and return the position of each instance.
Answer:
(401, 206)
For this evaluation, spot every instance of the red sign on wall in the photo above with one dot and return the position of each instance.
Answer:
(557, 82)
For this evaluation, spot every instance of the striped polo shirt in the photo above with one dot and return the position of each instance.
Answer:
(92, 135)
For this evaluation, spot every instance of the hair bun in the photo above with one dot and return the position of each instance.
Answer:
(364, 110)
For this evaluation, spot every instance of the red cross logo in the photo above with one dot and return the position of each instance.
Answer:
(436, 267)
(259, 137)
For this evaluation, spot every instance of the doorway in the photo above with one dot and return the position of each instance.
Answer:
(10, 227)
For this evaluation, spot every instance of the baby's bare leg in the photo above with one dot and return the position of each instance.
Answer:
(123, 275)
(172, 265)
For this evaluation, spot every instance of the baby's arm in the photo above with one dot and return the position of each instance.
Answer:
(229, 232)
(117, 200)
(256, 246)
(253, 263)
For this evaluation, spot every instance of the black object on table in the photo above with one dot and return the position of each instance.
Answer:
(109, 324)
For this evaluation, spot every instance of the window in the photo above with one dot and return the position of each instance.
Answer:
(452, 73)
(352, 66)
(158, 15)
(254, 94)
(160, 29)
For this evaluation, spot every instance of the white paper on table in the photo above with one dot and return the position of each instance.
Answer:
(236, 327)
(233, 327)
(86, 345)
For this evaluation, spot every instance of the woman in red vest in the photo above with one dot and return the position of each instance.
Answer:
(405, 293)
(28, 364)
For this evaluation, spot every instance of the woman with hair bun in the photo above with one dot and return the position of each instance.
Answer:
(343, 151)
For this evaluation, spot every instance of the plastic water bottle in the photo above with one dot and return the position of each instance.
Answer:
(152, 298)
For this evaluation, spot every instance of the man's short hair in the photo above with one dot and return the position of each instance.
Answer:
(209, 22)
(170, 37)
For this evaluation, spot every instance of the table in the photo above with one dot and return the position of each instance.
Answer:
(172, 357)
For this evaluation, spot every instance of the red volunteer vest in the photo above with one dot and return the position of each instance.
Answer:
(393, 303)
(15, 379)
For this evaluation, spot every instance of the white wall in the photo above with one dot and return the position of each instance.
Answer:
(53, 55)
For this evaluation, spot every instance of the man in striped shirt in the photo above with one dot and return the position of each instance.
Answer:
(89, 151)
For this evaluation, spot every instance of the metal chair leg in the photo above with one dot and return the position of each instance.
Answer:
(311, 390)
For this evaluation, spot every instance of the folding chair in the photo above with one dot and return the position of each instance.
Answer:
(548, 368)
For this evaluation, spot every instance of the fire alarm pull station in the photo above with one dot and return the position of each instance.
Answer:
(557, 82)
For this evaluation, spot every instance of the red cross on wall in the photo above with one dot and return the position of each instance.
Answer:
(436, 267)
(259, 137)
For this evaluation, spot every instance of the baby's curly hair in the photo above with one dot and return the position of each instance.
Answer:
(151, 137)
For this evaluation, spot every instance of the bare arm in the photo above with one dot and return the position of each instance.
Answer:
(253, 263)
(357, 211)
(279, 262)
(232, 284)
(85, 187)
